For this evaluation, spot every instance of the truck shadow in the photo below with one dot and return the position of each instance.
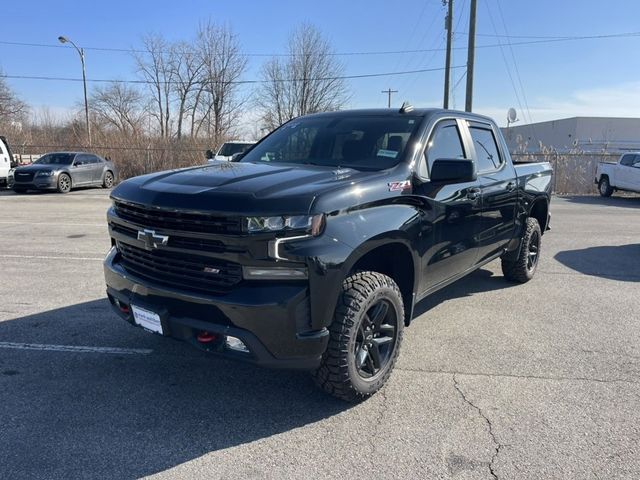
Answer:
(627, 201)
(481, 280)
(86, 414)
(620, 262)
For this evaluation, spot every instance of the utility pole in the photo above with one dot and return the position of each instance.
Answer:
(389, 92)
(471, 52)
(447, 70)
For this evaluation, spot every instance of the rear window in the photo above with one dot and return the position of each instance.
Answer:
(487, 153)
(229, 149)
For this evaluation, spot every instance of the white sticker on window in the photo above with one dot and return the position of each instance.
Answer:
(387, 153)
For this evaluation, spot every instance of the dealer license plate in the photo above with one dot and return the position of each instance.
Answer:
(147, 319)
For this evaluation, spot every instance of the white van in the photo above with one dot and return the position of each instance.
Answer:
(6, 162)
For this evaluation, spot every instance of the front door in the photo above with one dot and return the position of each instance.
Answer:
(452, 212)
(82, 170)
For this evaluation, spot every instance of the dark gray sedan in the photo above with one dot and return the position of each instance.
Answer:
(63, 171)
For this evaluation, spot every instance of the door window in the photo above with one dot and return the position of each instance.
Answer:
(445, 143)
(487, 153)
(628, 160)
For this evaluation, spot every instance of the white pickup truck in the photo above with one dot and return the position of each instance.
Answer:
(622, 175)
(6, 162)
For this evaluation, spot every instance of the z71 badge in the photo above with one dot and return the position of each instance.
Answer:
(399, 186)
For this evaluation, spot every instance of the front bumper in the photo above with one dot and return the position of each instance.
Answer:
(271, 318)
(38, 183)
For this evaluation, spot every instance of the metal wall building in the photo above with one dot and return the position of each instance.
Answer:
(588, 134)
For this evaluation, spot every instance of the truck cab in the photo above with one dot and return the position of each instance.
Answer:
(622, 175)
(6, 161)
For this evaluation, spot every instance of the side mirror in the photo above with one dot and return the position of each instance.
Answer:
(452, 170)
(209, 154)
(236, 157)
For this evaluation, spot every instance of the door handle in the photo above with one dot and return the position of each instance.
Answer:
(511, 186)
(473, 193)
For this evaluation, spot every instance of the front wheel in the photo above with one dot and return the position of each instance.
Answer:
(523, 268)
(365, 337)
(604, 187)
(64, 183)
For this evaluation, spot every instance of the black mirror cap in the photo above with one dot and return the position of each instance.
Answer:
(453, 170)
(236, 157)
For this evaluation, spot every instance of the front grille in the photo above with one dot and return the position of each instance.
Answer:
(178, 241)
(186, 271)
(23, 176)
(175, 220)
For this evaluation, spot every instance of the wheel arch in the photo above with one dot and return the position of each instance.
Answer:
(540, 211)
(393, 258)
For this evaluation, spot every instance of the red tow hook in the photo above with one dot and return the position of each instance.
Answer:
(123, 308)
(206, 337)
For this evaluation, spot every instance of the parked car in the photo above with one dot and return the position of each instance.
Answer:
(6, 162)
(63, 171)
(312, 251)
(229, 149)
(621, 175)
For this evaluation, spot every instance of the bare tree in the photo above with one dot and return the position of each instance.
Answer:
(187, 67)
(155, 67)
(119, 106)
(11, 107)
(223, 65)
(307, 81)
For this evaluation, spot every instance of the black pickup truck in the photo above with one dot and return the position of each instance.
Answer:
(312, 250)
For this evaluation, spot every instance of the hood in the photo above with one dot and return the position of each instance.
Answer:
(38, 168)
(241, 188)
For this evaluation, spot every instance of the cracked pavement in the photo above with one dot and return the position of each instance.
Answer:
(494, 380)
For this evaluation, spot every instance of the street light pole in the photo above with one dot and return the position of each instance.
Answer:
(84, 83)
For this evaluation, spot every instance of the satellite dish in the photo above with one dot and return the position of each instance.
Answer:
(512, 115)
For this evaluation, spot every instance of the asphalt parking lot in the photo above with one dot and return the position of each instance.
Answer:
(494, 380)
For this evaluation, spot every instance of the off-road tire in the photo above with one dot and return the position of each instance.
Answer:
(522, 269)
(107, 181)
(338, 374)
(64, 183)
(604, 187)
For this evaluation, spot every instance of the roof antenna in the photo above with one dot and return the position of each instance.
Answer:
(406, 107)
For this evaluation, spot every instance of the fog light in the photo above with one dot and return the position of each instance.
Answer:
(234, 343)
(274, 273)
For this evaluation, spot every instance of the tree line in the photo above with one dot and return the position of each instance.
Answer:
(190, 94)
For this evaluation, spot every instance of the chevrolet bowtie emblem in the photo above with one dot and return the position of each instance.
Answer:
(151, 239)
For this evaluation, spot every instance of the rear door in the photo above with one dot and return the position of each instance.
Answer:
(98, 166)
(452, 212)
(497, 179)
(634, 174)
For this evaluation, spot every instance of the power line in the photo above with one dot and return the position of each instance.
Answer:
(536, 40)
(146, 82)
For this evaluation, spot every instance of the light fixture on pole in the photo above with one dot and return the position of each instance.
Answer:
(80, 51)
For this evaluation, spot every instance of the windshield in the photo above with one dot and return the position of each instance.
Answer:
(55, 159)
(229, 149)
(364, 142)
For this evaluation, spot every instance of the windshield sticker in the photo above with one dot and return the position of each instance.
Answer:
(387, 153)
(399, 186)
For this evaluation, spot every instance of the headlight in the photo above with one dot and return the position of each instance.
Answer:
(313, 224)
(44, 173)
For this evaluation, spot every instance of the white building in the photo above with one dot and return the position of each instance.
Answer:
(589, 134)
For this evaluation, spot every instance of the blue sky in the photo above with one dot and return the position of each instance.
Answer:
(589, 77)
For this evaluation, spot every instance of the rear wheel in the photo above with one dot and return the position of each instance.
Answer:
(365, 337)
(108, 180)
(604, 187)
(64, 183)
(524, 267)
